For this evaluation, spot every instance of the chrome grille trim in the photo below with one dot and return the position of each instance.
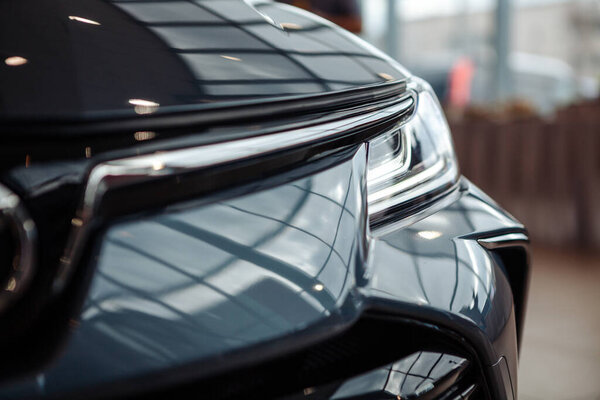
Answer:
(124, 172)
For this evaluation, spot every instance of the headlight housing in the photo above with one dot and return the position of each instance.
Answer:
(413, 164)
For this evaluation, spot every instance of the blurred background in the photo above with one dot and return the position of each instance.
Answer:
(520, 83)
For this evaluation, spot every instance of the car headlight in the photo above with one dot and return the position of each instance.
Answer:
(412, 165)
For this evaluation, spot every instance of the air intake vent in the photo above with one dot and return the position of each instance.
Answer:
(421, 375)
(376, 358)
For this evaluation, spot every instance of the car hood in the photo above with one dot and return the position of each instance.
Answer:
(88, 58)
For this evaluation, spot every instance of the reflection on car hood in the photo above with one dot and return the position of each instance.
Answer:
(88, 58)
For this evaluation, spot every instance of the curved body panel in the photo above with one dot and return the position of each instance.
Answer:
(100, 58)
(186, 287)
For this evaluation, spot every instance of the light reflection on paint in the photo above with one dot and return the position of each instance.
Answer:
(144, 135)
(77, 222)
(11, 285)
(142, 106)
(83, 20)
(158, 165)
(290, 26)
(385, 76)
(231, 58)
(15, 61)
(429, 235)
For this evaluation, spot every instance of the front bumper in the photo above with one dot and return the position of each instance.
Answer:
(200, 289)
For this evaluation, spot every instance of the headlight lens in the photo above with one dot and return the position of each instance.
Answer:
(413, 164)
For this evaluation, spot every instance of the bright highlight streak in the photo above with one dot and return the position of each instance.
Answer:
(290, 26)
(143, 103)
(385, 76)
(158, 165)
(143, 106)
(84, 20)
(231, 58)
(15, 61)
(429, 235)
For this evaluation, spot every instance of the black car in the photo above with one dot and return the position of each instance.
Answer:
(228, 199)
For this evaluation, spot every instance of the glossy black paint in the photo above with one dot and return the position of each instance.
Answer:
(280, 258)
(195, 283)
(97, 58)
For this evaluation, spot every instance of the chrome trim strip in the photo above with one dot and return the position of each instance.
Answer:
(146, 168)
(23, 227)
(506, 240)
(208, 114)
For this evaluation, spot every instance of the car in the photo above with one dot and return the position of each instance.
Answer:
(234, 198)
